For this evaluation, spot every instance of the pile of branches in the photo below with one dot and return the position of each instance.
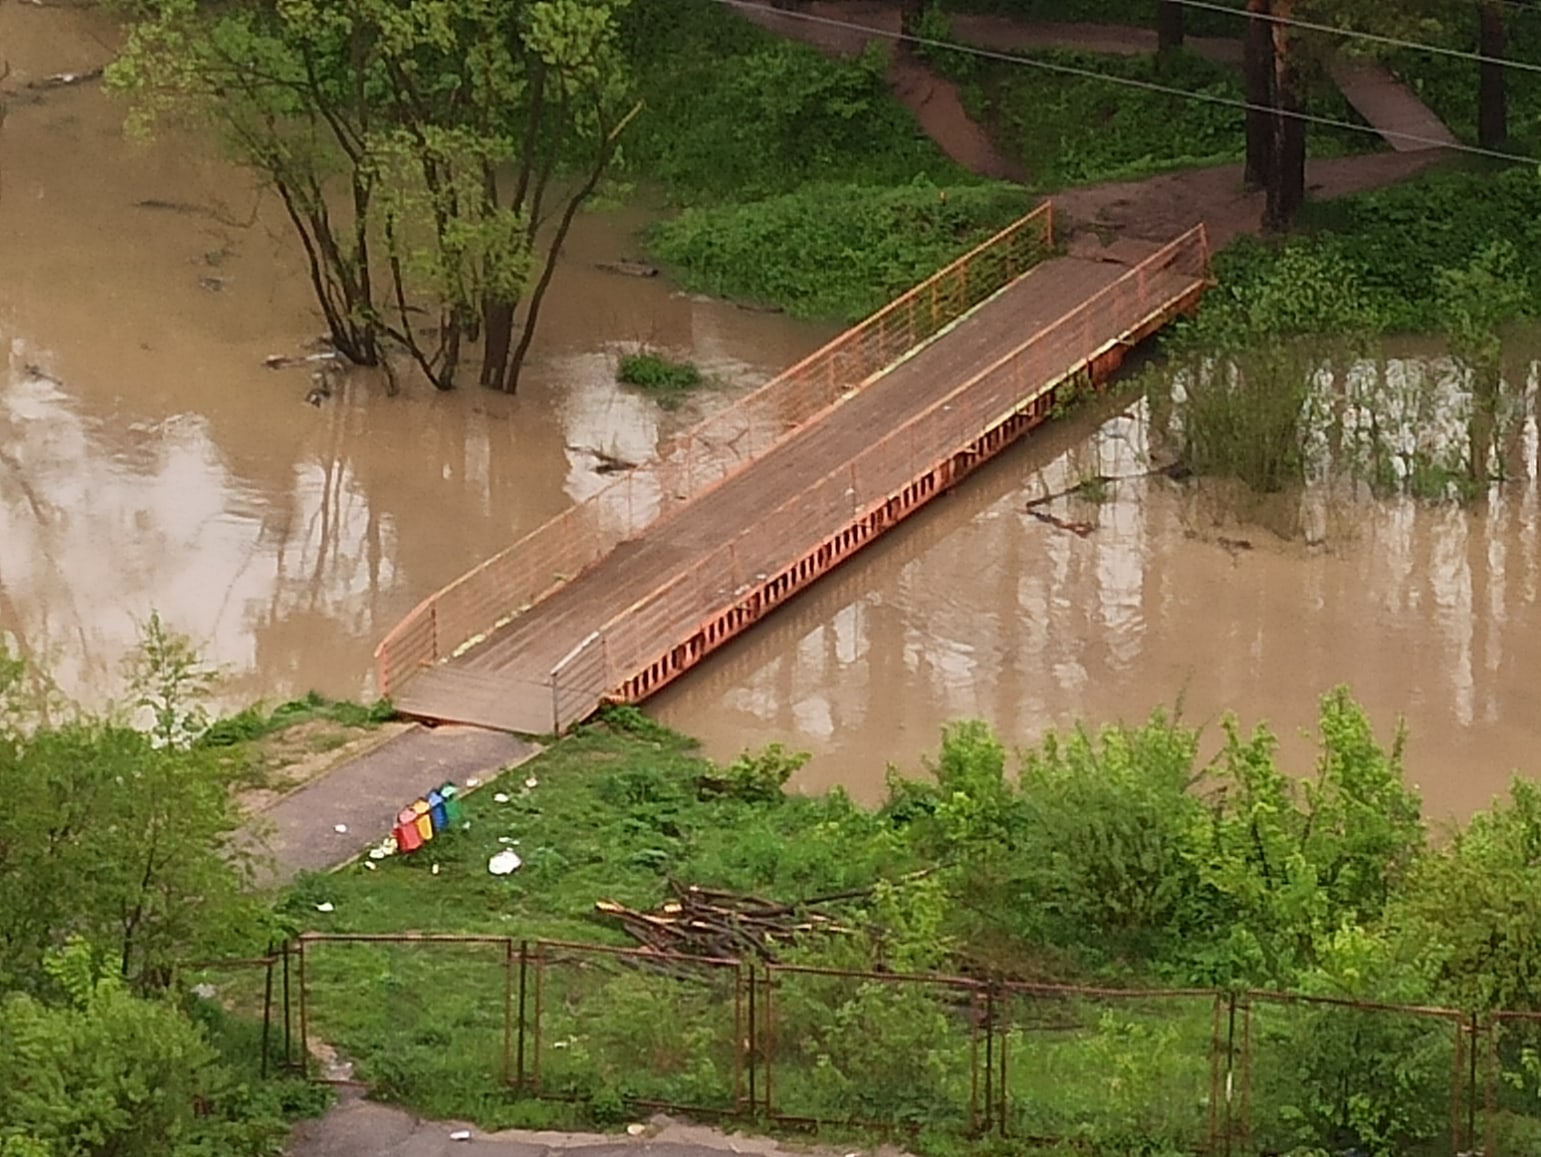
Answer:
(725, 925)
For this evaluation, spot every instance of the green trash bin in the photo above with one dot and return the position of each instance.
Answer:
(453, 813)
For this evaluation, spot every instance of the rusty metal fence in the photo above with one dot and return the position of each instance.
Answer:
(1201, 1071)
(914, 454)
(463, 613)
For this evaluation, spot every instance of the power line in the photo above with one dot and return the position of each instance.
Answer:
(1129, 82)
(1355, 34)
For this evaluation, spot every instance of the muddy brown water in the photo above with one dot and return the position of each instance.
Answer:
(149, 460)
(1174, 600)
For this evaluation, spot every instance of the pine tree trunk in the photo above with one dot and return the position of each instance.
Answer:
(1259, 71)
(1492, 90)
(1169, 27)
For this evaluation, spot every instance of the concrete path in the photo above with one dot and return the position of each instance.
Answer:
(365, 794)
(358, 1128)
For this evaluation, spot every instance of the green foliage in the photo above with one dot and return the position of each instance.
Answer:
(835, 251)
(1392, 244)
(662, 377)
(1041, 115)
(121, 836)
(168, 679)
(733, 113)
(257, 722)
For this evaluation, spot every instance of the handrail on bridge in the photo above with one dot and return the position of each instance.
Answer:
(464, 612)
(611, 654)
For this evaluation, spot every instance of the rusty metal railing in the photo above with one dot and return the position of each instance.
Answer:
(635, 638)
(463, 613)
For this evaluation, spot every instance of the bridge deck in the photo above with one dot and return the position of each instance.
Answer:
(504, 682)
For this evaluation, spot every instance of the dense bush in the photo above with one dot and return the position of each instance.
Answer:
(1040, 115)
(733, 113)
(837, 251)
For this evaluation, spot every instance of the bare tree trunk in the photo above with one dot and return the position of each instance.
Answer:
(1287, 177)
(1169, 27)
(1258, 67)
(532, 313)
(1492, 88)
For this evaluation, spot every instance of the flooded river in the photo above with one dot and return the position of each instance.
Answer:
(149, 460)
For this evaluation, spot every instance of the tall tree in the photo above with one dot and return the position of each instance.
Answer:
(1258, 67)
(1286, 179)
(1492, 87)
(463, 135)
(1169, 26)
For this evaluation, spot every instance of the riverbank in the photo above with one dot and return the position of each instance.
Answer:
(1116, 859)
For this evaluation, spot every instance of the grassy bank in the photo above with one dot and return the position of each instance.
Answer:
(1112, 857)
(1079, 130)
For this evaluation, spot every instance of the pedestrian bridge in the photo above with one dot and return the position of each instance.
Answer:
(627, 590)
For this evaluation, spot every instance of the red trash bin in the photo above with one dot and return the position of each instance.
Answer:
(407, 837)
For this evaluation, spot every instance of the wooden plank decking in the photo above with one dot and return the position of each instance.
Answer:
(505, 682)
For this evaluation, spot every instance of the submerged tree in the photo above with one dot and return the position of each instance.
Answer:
(435, 149)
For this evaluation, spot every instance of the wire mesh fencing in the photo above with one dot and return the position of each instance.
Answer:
(457, 1021)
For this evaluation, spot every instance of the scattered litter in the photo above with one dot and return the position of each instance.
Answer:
(504, 863)
(204, 991)
(561, 1044)
(473, 782)
(325, 906)
(369, 865)
(507, 840)
(500, 797)
(532, 782)
(636, 1130)
(340, 829)
(460, 1135)
(435, 869)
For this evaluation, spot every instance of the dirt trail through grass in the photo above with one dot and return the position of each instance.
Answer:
(1155, 207)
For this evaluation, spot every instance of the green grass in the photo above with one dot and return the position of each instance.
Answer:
(1393, 242)
(836, 251)
(665, 379)
(733, 113)
(259, 721)
(1067, 130)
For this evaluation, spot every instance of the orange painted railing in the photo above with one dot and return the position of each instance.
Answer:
(467, 610)
(648, 630)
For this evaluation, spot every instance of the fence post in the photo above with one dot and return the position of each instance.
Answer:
(556, 705)
(1471, 1089)
(267, 1011)
(508, 1009)
(989, 1055)
(1002, 1095)
(524, 964)
(1230, 1069)
(304, 1020)
(288, 1013)
(753, 1038)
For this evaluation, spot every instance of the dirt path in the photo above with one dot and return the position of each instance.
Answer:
(358, 1128)
(1155, 207)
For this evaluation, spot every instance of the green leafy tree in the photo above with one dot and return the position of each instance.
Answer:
(105, 1072)
(120, 836)
(419, 149)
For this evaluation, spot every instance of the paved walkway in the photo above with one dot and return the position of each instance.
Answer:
(365, 794)
(358, 1128)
